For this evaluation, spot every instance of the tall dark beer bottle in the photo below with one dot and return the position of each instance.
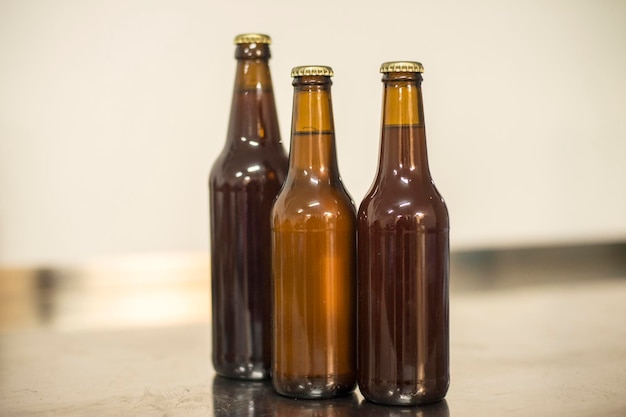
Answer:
(314, 254)
(403, 247)
(243, 184)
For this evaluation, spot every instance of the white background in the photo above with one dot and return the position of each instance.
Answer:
(112, 112)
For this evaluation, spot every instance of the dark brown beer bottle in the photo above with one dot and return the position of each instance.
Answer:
(403, 252)
(243, 184)
(314, 254)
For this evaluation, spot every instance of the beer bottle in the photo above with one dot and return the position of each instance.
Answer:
(403, 251)
(314, 254)
(243, 184)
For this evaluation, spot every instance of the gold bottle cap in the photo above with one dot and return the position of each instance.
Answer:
(252, 38)
(312, 70)
(401, 66)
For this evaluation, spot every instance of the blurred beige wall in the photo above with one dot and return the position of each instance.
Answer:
(112, 112)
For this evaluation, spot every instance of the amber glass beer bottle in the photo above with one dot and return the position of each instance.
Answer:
(243, 184)
(314, 254)
(403, 251)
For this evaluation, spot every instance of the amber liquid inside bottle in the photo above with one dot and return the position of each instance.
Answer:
(403, 262)
(243, 183)
(314, 256)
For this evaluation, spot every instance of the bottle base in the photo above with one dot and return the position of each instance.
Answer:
(406, 394)
(250, 372)
(314, 387)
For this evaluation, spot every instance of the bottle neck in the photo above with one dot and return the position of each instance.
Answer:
(312, 150)
(253, 117)
(403, 137)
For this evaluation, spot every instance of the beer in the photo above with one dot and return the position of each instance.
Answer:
(403, 251)
(314, 254)
(243, 184)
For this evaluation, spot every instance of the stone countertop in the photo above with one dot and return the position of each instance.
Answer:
(545, 350)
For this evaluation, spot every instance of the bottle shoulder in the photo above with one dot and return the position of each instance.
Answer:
(237, 165)
(390, 205)
(303, 205)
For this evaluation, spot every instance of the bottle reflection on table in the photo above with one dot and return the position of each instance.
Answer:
(332, 407)
(242, 398)
(370, 409)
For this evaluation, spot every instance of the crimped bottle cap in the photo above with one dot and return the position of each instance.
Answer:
(312, 70)
(401, 66)
(252, 38)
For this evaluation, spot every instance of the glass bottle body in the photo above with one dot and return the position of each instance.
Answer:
(243, 184)
(403, 249)
(314, 258)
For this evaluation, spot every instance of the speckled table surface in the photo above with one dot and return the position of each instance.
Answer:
(551, 350)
